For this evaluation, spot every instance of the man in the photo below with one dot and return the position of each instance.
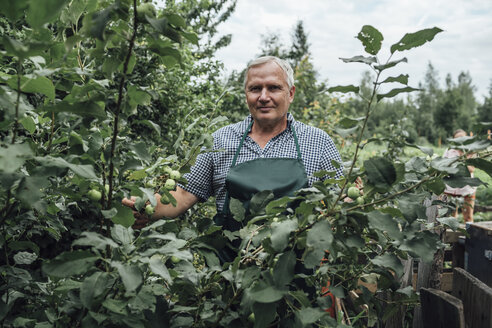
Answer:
(269, 150)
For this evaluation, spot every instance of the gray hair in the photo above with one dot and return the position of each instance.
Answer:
(284, 65)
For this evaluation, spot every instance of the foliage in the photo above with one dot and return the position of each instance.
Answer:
(97, 96)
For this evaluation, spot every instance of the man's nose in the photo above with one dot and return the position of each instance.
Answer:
(264, 95)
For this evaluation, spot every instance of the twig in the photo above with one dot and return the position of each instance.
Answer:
(118, 105)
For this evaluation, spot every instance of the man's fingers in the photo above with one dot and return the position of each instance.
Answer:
(130, 202)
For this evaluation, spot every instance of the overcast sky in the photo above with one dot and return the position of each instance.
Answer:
(331, 25)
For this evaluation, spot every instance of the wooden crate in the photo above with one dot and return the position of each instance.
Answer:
(478, 251)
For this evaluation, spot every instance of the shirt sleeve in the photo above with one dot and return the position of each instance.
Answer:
(200, 177)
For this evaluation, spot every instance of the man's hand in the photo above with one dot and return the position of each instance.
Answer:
(184, 200)
(141, 219)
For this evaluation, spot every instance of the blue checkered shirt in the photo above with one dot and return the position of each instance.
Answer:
(207, 176)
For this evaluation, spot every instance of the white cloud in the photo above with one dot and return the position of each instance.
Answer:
(332, 25)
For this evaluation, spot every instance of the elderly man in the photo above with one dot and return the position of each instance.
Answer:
(269, 150)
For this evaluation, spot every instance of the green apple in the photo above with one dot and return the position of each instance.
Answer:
(175, 259)
(353, 192)
(167, 170)
(360, 200)
(94, 195)
(170, 184)
(106, 189)
(149, 209)
(175, 174)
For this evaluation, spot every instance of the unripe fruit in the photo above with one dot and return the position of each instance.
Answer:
(106, 189)
(145, 9)
(94, 195)
(175, 259)
(150, 184)
(167, 170)
(360, 200)
(175, 174)
(353, 192)
(170, 184)
(149, 209)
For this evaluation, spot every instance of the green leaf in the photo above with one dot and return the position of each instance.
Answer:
(436, 185)
(97, 22)
(348, 122)
(70, 264)
(122, 234)
(381, 173)
(371, 38)
(281, 232)
(116, 306)
(447, 165)
(460, 181)
(319, 240)
(412, 40)
(131, 276)
(264, 293)
(93, 287)
(13, 10)
(422, 247)
(308, 316)
(264, 314)
(450, 221)
(395, 92)
(27, 258)
(124, 216)
(83, 108)
(84, 171)
(259, 201)
(37, 84)
(411, 207)
(389, 261)
(28, 124)
(150, 195)
(402, 78)
(344, 88)
(237, 209)
(13, 157)
(93, 239)
(158, 267)
(176, 20)
(109, 214)
(41, 12)
(162, 26)
(360, 59)
(390, 64)
(190, 36)
(283, 272)
(278, 205)
(384, 223)
(481, 164)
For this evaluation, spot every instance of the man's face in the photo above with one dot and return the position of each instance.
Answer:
(268, 94)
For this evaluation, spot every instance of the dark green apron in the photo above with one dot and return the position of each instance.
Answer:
(283, 176)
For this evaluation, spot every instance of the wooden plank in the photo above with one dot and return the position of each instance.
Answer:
(447, 281)
(452, 236)
(441, 310)
(476, 297)
(478, 251)
(458, 255)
